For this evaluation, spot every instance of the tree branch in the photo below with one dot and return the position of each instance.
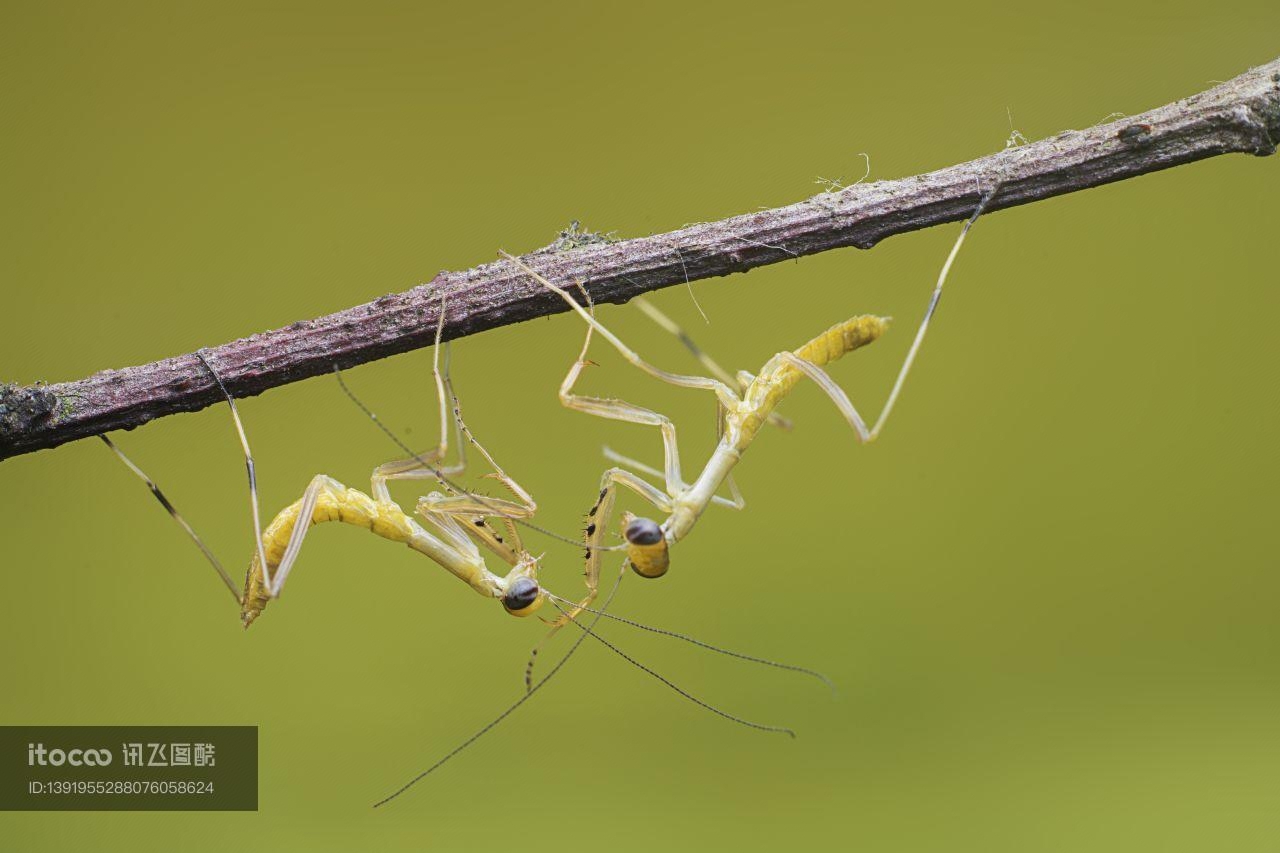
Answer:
(1241, 115)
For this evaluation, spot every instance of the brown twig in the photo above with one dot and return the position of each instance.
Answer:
(1241, 115)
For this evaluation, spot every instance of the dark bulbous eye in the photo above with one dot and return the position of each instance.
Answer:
(521, 594)
(643, 531)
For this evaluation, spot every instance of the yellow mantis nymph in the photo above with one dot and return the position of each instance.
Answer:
(745, 404)
(455, 525)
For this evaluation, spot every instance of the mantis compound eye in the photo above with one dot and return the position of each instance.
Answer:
(647, 546)
(523, 597)
(643, 531)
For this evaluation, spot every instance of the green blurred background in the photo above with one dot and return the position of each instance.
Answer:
(1047, 594)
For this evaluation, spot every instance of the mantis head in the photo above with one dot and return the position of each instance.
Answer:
(522, 595)
(646, 546)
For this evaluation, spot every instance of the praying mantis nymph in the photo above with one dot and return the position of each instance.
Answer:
(455, 524)
(745, 404)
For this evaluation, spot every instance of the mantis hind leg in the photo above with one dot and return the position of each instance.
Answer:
(820, 377)
(177, 517)
(292, 522)
(173, 512)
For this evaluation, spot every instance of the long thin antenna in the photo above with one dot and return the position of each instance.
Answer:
(686, 694)
(701, 644)
(173, 512)
(498, 719)
(440, 475)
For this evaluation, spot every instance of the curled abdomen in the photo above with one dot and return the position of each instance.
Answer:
(334, 502)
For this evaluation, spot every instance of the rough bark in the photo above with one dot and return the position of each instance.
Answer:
(1241, 115)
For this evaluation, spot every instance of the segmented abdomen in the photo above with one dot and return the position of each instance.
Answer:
(778, 378)
(843, 338)
(335, 502)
